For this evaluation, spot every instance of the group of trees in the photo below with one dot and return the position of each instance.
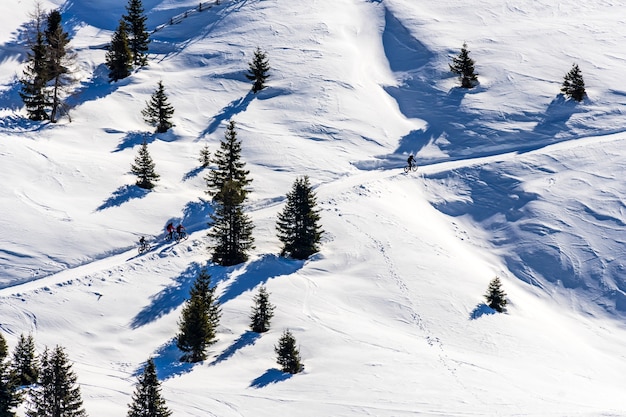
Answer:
(128, 48)
(47, 381)
(462, 65)
(231, 232)
(48, 69)
(200, 317)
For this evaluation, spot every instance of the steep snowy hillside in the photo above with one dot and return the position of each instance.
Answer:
(514, 181)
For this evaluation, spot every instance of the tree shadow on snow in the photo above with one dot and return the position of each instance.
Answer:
(271, 376)
(122, 195)
(133, 139)
(195, 215)
(258, 272)
(194, 172)
(233, 108)
(247, 339)
(167, 362)
(169, 298)
(481, 310)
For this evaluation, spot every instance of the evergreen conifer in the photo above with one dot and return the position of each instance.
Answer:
(495, 296)
(24, 366)
(119, 57)
(59, 61)
(258, 70)
(298, 223)
(10, 397)
(143, 168)
(159, 111)
(57, 393)
(262, 311)
(205, 157)
(147, 400)
(199, 320)
(463, 66)
(573, 84)
(139, 38)
(33, 91)
(231, 231)
(288, 356)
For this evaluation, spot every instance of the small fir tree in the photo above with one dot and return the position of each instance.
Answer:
(298, 223)
(495, 296)
(59, 62)
(24, 363)
(199, 320)
(4, 348)
(143, 168)
(463, 66)
(10, 397)
(57, 393)
(258, 70)
(231, 231)
(119, 57)
(288, 356)
(574, 85)
(139, 38)
(33, 90)
(205, 157)
(159, 111)
(147, 400)
(262, 311)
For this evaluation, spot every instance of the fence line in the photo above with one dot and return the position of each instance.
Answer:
(179, 18)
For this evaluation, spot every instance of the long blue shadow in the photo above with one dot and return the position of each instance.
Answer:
(247, 339)
(169, 298)
(480, 310)
(122, 195)
(235, 107)
(271, 376)
(259, 272)
(133, 139)
(167, 362)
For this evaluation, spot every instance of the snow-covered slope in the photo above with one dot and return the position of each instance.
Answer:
(514, 181)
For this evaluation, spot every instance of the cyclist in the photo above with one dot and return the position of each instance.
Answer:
(142, 241)
(180, 229)
(170, 231)
(410, 161)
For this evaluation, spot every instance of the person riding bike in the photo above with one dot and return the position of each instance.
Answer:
(180, 229)
(410, 161)
(170, 231)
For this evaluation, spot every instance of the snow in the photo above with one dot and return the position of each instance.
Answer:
(514, 181)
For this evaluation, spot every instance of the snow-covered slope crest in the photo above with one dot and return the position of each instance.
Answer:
(514, 181)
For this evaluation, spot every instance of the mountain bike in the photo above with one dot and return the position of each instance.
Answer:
(409, 168)
(143, 247)
(182, 235)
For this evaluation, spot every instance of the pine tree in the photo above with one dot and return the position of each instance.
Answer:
(147, 400)
(496, 297)
(298, 224)
(258, 70)
(143, 168)
(199, 320)
(59, 61)
(205, 157)
(159, 111)
(262, 311)
(573, 84)
(139, 37)
(119, 57)
(463, 66)
(10, 397)
(288, 356)
(57, 393)
(231, 230)
(33, 90)
(24, 366)
(4, 348)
